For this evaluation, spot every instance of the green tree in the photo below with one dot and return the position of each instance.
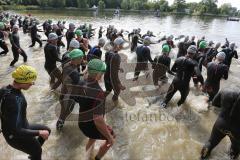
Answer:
(163, 6)
(71, 3)
(58, 3)
(125, 4)
(225, 8)
(179, 5)
(43, 3)
(210, 6)
(101, 5)
(193, 7)
(82, 4)
(113, 3)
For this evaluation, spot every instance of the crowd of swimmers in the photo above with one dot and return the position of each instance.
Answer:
(83, 67)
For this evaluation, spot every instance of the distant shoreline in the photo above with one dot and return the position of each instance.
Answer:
(148, 12)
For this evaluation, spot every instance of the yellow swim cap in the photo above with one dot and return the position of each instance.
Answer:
(24, 74)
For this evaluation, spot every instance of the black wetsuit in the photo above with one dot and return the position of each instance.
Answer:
(227, 123)
(111, 78)
(69, 36)
(192, 43)
(215, 72)
(229, 55)
(161, 64)
(3, 44)
(100, 33)
(134, 42)
(48, 29)
(65, 57)
(60, 35)
(95, 52)
(143, 56)
(211, 53)
(34, 36)
(181, 50)
(71, 76)
(92, 104)
(25, 26)
(184, 68)
(12, 23)
(15, 127)
(199, 60)
(14, 39)
(51, 57)
(20, 23)
(45, 25)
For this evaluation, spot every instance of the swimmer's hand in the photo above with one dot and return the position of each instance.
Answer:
(44, 134)
(122, 87)
(121, 70)
(110, 141)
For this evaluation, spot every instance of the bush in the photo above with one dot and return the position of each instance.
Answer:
(101, 5)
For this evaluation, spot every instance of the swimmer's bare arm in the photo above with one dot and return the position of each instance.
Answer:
(102, 128)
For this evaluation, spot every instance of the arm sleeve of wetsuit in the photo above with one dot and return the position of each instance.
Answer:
(148, 54)
(235, 54)
(75, 78)
(154, 64)
(55, 55)
(217, 100)
(168, 65)
(174, 67)
(235, 109)
(198, 74)
(129, 36)
(15, 118)
(200, 63)
(225, 73)
(115, 66)
(100, 54)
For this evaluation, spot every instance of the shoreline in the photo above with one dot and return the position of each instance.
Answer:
(148, 12)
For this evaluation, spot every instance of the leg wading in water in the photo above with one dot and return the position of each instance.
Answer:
(34, 40)
(221, 129)
(55, 74)
(109, 87)
(16, 56)
(4, 46)
(67, 106)
(227, 123)
(182, 88)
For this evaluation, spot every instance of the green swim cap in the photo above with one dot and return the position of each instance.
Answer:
(96, 66)
(78, 32)
(165, 49)
(203, 45)
(1, 25)
(76, 53)
(49, 21)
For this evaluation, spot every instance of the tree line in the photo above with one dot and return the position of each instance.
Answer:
(203, 7)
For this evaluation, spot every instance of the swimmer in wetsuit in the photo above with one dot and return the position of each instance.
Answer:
(184, 67)
(16, 130)
(227, 123)
(92, 110)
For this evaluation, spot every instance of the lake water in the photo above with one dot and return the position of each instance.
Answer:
(144, 132)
